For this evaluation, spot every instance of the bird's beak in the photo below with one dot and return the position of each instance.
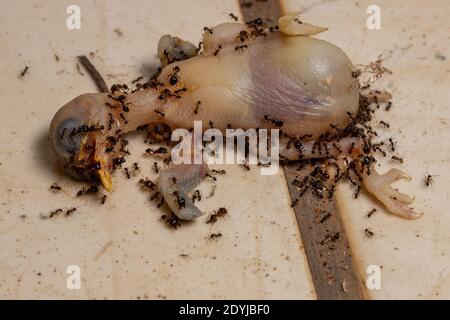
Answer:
(85, 154)
(104, 175)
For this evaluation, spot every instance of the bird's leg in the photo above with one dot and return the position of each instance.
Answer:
(377, 184)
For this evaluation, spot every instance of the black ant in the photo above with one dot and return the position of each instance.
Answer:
(55, 187)
(90, 190)
(371, 212)
(55, 212)
(243, 35)
(232, 16)
(180, 200)
(325, 217)
(197, 196)
(70, 211)
(217, 50)
(123, 118)
(215, 171)
(24, 72)
(160, 204)
(273, 29)
(208, 30)
(392, 143)
(171, 220)
(395, 158)
(428, 180)
(388, 106)
(160, 150)
(369, 233)
(215, 235)
(197, 106)
(162, 114)
(117, 162)
(294, 203)
(219, 213)
(147, 184)
(127, 173)
(241, 47)
(156, 167)
(173, 79)
(384, 124)
(357, 192)
(275, 122)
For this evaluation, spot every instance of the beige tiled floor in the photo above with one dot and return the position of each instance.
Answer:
(260, 254)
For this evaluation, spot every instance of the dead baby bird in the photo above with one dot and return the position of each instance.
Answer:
(304, 85)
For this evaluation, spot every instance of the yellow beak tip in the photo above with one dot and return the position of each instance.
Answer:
(106, 180)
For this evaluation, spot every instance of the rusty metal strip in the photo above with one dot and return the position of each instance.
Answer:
(325, 241)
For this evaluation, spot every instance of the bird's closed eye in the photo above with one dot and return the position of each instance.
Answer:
(66, 140)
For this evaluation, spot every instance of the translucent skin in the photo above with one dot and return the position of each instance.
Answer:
(304, 82)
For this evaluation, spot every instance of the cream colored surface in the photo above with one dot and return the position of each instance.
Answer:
(260, 254)
(415, 36)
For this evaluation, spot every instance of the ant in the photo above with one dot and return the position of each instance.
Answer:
(55, 187)
(123, 118)
(162, 114)
(217, 50)
(369, 233)
(24, 71)
(371, 212)
(160, 150)
(357, 192)
(208, 30)
(241, 48)
(171, 220)
(388, 106)
(197, 106)
(173, 79)
(215, 171)
(428, 180)
(127, 173)
(234, 17)
(392, 143)
(197, 196)
(156, 167)
(147, 184)
(384, 124)
(219, 213)
(180, 200)
(55, 212)
(90, 190)
(275, 122)
(294, 203)
(215, 235)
